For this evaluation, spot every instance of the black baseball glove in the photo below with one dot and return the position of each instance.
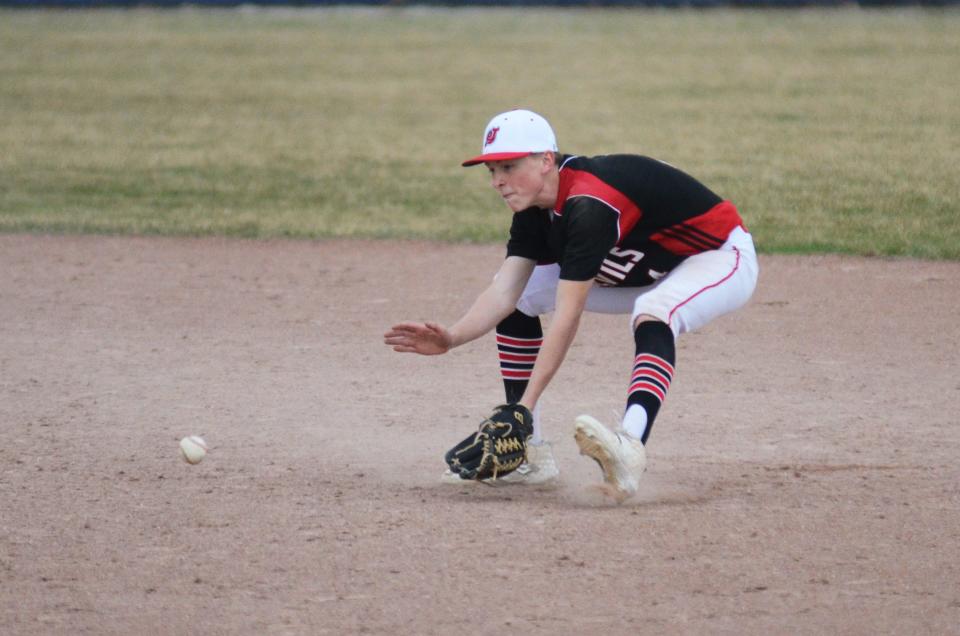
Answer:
(497, 448)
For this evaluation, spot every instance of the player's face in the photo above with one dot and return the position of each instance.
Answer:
(521, 181)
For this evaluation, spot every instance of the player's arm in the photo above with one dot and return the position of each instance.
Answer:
(571, 300)
(592, 231)
(494, 304)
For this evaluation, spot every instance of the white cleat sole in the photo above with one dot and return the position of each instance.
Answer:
(621, 458)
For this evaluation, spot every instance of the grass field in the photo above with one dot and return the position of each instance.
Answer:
(832, 130)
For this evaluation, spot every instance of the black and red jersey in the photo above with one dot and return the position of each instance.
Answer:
(624, 220)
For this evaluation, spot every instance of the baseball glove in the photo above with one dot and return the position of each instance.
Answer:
(497, 448)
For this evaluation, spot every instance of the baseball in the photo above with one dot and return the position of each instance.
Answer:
(193, 449)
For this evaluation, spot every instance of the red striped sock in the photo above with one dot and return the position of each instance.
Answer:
(652, 369)
(519, 338)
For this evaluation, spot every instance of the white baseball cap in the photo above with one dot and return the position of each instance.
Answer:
(515, 134)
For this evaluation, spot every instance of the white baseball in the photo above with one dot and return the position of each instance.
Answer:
(193, 449)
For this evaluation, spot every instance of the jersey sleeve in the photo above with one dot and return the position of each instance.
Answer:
(591, 232)
(528, 235)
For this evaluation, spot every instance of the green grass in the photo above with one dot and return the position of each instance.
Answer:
(833, 130)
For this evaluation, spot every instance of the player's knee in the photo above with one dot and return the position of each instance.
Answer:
(536, 304)
(644, 318)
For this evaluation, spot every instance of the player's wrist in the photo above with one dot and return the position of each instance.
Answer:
(529, 399)
(454, 338)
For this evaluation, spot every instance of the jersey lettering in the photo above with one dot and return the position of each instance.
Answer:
(634, 255)
(614, 271)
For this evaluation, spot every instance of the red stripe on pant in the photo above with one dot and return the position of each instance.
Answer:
(736, 266)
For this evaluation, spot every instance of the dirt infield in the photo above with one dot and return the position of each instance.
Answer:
(803, 474)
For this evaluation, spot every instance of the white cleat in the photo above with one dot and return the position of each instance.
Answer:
(540, 469)
(621, 457)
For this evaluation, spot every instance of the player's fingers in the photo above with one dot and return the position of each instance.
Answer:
(404, 339)
(411, 337)
(408, 326)
(404, 332)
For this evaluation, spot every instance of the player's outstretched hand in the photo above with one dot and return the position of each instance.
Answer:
(428, 339)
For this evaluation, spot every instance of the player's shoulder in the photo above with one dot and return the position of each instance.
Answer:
(621, 171)
(601, 163)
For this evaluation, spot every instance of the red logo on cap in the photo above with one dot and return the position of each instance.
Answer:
(491, 136)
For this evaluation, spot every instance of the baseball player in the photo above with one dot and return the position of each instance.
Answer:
(613, 234)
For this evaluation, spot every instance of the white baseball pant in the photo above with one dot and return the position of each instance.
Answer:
(703, 287)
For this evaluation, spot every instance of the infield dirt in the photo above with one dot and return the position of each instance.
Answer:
(803, 474)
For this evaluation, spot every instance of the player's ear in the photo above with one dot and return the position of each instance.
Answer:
(549, 160)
